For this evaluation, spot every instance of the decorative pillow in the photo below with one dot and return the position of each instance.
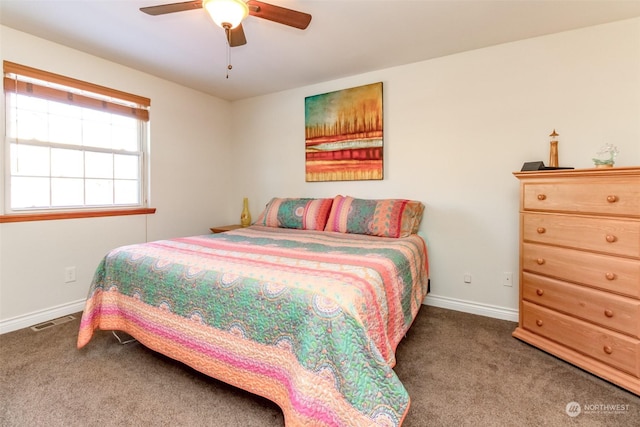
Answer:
(304, 214)
(384, 218)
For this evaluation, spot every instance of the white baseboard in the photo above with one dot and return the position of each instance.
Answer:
(472, 307)
(40, 316)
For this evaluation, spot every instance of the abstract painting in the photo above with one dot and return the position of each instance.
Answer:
(343, 134)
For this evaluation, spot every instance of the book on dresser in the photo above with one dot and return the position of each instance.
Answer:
(580, 269)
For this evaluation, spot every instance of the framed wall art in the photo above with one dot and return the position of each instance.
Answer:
(344, 135)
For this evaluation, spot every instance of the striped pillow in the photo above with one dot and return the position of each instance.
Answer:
(384, 218)
(304, 213)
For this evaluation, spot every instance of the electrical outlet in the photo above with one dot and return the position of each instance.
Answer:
(467, 278)
(507, 279)
(69, 274)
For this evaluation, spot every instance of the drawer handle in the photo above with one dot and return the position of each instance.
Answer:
(542, 196)
(539, 322)
(542, 230)
(540, 261)
(611, 238)
(608, 313)
(612, 199)
(607, 349)
(539, 292)
(610, 276)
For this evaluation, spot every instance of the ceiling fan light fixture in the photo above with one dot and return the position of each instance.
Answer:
(226, 12)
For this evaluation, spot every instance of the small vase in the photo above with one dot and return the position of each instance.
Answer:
(604, 165)
(245, 216)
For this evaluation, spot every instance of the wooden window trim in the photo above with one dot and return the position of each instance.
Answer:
(23, 70)
(48, 216)
(12, 84)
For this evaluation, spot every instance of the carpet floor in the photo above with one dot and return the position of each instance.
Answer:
(459, 369)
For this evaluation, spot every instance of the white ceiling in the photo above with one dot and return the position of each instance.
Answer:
(345, 37)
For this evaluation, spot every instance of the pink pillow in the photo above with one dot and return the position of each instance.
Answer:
(384, 218)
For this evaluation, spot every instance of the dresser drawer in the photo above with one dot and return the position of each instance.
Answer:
(619, 275)
(608, 196)
(608, 310)
(606, 235)
(607, 346)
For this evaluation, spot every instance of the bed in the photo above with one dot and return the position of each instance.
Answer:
(307, 318)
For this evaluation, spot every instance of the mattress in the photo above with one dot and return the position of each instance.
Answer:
(308, 319)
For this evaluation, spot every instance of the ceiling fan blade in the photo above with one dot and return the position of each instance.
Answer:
(237, 37)
(278, 14)
(172, 7)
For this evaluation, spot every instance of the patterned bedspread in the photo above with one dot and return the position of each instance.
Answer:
(308, 319)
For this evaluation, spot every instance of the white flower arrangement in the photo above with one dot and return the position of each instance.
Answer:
(606, 155)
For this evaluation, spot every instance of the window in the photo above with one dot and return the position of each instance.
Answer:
(72, 145)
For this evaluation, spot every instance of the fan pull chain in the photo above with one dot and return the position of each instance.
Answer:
(227, 30)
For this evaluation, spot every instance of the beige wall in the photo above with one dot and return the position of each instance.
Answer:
(455, 129)
(190, 175)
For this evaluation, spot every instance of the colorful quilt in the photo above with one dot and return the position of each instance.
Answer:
(308, 319)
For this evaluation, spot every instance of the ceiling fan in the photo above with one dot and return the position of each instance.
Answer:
(229, 15)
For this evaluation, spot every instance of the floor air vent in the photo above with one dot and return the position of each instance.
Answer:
(50, 323)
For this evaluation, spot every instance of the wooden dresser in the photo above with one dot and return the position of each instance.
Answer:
(580, 269)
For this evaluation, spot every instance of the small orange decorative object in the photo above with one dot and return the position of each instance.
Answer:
(553, 149)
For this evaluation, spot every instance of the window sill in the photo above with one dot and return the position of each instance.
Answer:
(48, 216)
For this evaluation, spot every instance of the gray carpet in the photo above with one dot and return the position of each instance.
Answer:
(459, 369)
